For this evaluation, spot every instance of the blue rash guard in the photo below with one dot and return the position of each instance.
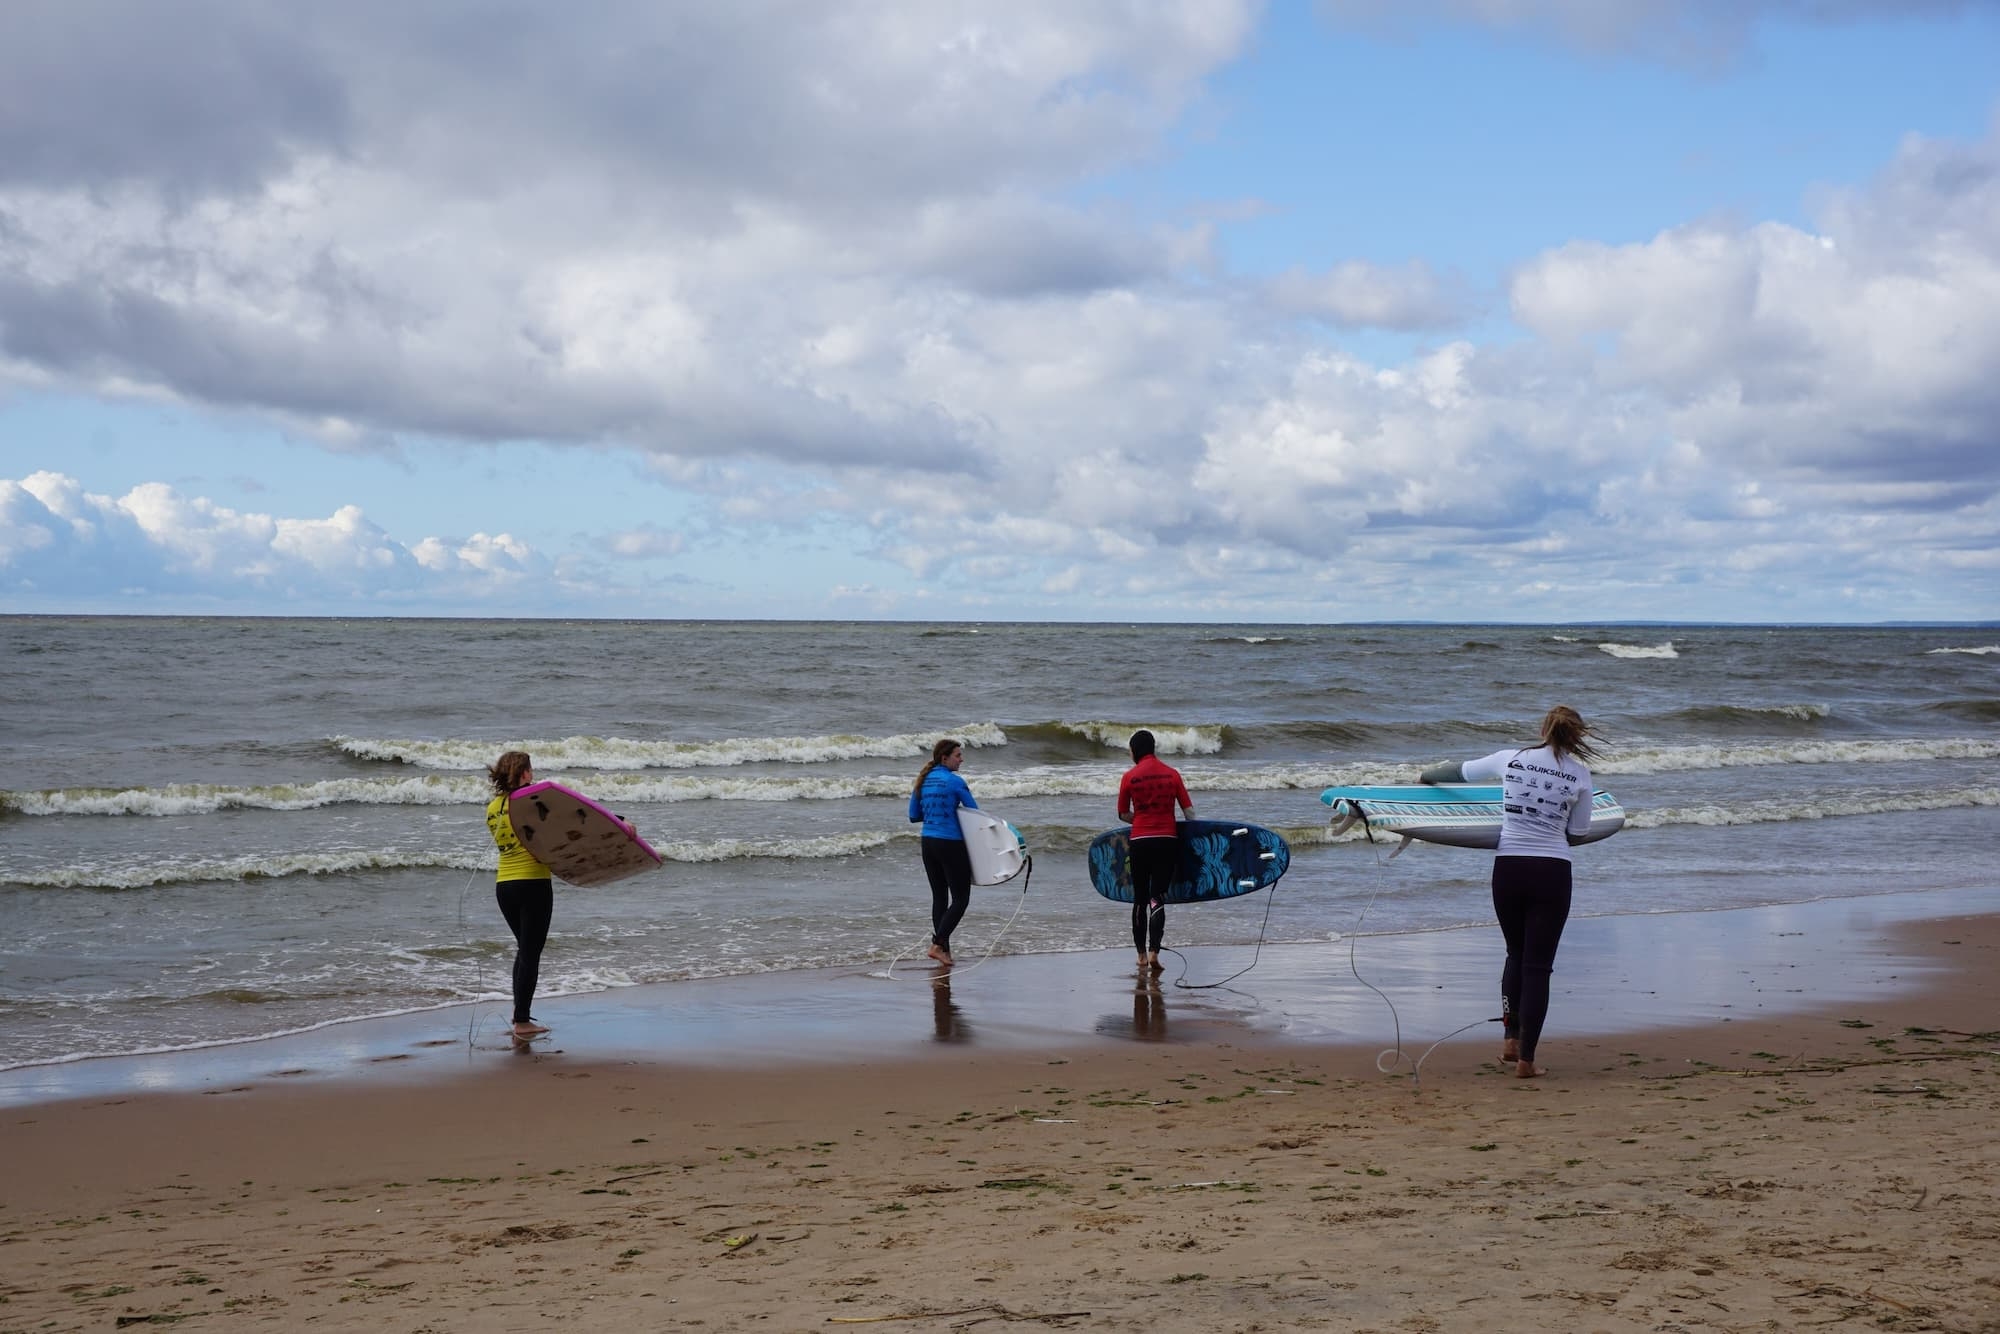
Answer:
(936, 803)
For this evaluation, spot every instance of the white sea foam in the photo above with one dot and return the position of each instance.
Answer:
(272, 867)
(1674, 759)
(624, 790)
(280, 866)
(1982, 651)
(207, 798)
(1666, 650)
(736, 849)
(590, 752)
(1819, 807)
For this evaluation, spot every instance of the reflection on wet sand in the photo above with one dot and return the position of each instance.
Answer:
(1149, 1013)
(948, 1021)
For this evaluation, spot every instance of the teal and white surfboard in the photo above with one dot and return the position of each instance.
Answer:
(1461, 815)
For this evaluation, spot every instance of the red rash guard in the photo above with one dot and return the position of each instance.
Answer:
(1150, 790)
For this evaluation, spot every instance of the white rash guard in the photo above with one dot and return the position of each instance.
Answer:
(1544, 799)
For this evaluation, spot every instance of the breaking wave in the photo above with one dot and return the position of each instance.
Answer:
(1674, 759)
(590, 752)
(1814, 808)
(1097, 779)
(1666, 650)
(1739, 715)
(282, 866)
(1169, 738)
(1984, 650)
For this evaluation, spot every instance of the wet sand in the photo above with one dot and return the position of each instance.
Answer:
(1762, 1119)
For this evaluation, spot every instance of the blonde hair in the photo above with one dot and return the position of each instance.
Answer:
(939, 753)
(507, 771)
(1566, 733)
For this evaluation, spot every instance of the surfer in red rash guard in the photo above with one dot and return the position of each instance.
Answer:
(1545, 809)
(1147, 795)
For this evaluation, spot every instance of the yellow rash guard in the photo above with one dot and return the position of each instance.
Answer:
(516, 862)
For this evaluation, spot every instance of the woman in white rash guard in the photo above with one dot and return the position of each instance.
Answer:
(1545, 801)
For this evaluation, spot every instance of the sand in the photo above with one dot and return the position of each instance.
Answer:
(1830, 1167)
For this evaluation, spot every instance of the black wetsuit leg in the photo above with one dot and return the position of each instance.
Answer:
(1531, 897)
(948, 866)
(1153, 863)
(528, 906)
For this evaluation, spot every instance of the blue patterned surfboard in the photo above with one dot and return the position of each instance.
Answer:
(1219, 860)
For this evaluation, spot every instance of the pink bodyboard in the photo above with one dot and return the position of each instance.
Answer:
(576, 838)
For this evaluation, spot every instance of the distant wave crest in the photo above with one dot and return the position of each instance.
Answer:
(1666, 650)
(590, 752)
(1984, 650)
(1753, 713)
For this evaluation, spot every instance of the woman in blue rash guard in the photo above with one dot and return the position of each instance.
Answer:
(934, 799)
(1545, 809)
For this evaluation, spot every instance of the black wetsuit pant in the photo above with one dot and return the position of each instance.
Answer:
(949, 867)
(1154, 861)
(1531, 899)
(527, 905)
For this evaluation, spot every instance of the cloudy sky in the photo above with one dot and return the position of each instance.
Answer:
(1533, 310)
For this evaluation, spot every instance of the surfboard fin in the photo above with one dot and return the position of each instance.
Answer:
(1407, 840)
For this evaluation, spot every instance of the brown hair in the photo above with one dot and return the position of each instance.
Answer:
(1566, 733)
(508, 771)
(938, 753)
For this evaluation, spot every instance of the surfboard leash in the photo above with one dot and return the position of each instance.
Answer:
(478, 965)
(1263, 931)
(1389, 1058)
(1027, 873)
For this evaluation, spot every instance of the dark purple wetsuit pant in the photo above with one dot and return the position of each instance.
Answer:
(1153, 863)
(1531, 899)
(527, 905)
(949, 867)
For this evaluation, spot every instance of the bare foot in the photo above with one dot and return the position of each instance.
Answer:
(938, 953)
(1153, 963)
(1510, 1051)
(1528, 1070)
(528, 1028)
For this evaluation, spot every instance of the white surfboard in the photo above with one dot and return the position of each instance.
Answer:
(997, 849)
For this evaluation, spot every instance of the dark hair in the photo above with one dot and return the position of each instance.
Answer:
(939, 753)
(1566, 733)
(507, 771)
(1142, 744)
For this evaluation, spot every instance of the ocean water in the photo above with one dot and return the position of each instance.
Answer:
(219, 829)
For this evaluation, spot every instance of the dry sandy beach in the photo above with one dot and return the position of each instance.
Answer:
(1832, 1165)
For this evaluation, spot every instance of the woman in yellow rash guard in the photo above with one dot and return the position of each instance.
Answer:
(523, 885)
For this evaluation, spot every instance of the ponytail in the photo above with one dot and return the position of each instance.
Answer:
(939, 752)
(507, 771)
(1566, 733)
